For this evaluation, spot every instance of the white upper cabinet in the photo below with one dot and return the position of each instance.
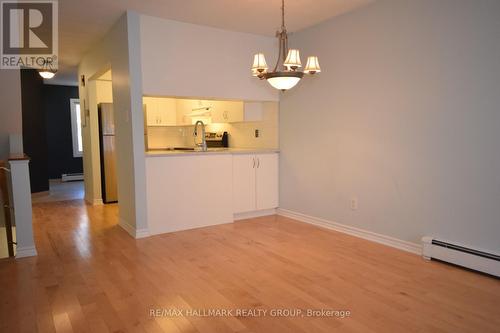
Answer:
(151, 111)
(255, 182)
(227, 111)
(167, 110)
(235, 111)
(160, 111)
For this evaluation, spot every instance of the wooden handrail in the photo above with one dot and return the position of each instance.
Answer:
(18, 157)
(5, 198)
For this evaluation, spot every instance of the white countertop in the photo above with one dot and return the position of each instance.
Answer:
(210, 151)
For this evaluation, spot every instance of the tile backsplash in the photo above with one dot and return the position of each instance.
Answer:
(241, 134)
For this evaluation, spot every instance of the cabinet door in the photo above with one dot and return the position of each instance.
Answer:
(267, 181)
(167, 111)
(227, 111)
(150, 108)
(244, 183)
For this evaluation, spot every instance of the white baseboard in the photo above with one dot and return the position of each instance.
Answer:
(23, 252)
(361, 233)
(251, 215)
(69, 177)
(142, 233)
(132, 231)
(94, 202)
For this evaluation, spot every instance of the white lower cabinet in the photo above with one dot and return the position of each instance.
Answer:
(255, 182)
(186, 192)
(266, 181)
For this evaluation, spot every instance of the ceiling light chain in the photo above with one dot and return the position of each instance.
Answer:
(289, 75)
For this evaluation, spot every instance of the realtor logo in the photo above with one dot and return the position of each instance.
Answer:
(29, 34)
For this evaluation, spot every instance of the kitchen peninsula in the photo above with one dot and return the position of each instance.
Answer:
(190, 188)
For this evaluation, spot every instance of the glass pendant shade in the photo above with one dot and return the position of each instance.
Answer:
(283, 82)
(293, 59)
(46, 74)
(312, 65)
(259, 63)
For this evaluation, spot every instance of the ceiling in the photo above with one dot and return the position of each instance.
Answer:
(84, 23)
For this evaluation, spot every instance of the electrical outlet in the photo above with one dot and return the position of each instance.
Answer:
(354, 203)
(257, 133)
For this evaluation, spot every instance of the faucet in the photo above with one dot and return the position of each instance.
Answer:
(203, 144)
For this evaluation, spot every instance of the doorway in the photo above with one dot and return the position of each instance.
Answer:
(52, 137)
(98, 137)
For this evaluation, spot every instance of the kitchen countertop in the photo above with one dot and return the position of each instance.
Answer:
(211, 151)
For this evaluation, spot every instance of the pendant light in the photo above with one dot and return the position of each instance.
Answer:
(287, 75)
(47, 71)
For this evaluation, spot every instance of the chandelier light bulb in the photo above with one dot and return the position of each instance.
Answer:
(283, 83)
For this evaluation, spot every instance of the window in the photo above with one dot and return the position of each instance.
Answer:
(76, 127)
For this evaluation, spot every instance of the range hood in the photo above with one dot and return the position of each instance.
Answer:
(201, 111)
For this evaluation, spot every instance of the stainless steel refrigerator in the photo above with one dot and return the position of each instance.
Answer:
(109, 184)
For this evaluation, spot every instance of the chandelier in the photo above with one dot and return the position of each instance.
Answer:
(287, 75)
(47, 71)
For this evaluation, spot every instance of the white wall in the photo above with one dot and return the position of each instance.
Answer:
(120, 51)
(405, 117)
(187, 60)
(10, 109)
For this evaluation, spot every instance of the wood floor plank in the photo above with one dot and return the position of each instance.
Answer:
(91, 276)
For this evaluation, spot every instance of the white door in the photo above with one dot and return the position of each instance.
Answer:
(244, 183)
(267, 181)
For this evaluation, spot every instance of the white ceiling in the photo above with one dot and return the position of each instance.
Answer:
(83, 23)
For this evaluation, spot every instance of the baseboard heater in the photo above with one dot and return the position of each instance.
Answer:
(70, 177)
(462, 256)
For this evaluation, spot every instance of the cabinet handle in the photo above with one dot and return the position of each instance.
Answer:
(258, 162)
(254, 162)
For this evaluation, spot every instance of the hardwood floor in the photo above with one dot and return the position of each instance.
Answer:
(91, 276)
